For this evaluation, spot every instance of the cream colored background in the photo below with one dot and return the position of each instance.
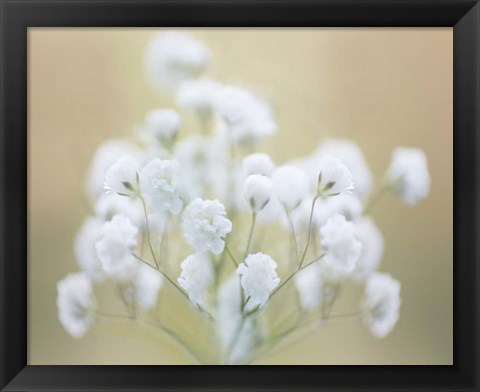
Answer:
(381, 87)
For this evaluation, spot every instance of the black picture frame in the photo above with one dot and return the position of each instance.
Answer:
(18, 15)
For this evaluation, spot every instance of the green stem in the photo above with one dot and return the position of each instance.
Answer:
(375, 198)
(230, 255)
(147, 226)
(252, 227)
(309, 233)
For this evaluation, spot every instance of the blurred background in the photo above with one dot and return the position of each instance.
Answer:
(380, 87)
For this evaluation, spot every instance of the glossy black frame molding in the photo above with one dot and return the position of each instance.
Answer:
(18, 15)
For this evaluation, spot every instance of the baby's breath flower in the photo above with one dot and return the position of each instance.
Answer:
(174, 57)
(105, 156)
(372, 248)
(159, 181)
(258, 277)
(257, 190)
(196, 277)
(205, 226)
(308, 284)
(76, 304)
(85, 252)
(408, 175)
(162, 124)
(290, 185)
(117, 241)
(381, 303)
(199, 95)
(337, 238)
(247, 118)
(142, 284)
(334, 177)
(122, 177)
(110, 204)
(258, 163)
(352, 157)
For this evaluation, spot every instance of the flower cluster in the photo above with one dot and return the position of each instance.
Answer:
(212, 195)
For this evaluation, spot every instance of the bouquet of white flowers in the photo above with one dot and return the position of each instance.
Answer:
(212, 195)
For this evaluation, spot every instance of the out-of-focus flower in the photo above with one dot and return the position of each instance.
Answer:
(228, 318)
(162, 125)
(196, 277)
(143, 285)
(381, 303)
(105, 156)
(85, 252)
(76, 304)
(408, 175)
(160, 187)
(199, 95)
(257, 189)
(337, 238)
(372, 248)
(334, 177)
(117, 241)
(205, 226)
(258, 277)
(308, 284)
(174, 57)
(247, 118)
(272, 212)
(258, 163)
(290, 185)
(110, 204)
(122, 177)
(345, 204)
(352, 157)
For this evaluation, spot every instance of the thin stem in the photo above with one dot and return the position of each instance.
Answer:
(147, 227)
(252, 227)
(309, 233)
(293, 274)
(230, 255)
(292, 231)
(375, 198)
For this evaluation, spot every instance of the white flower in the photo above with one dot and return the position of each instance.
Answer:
(117, 241)
(76, 304)
(273, 212)
(372, 248)
(257, 189)
(174, 57)
(85, 251)
(290, 185)
(199, 95)
(105, 156)
(110, 204)
(258, 163)
(228, 318)
(196, 277)
(345, 204)
(258, 277)
(162, 124)
(246, 117)
(160, 185)
(337, 238)
(318, 283)
(122, 176)
(143, 285)
(308, 285)
(205, 226)
(334, 177)
(381, 303)
(352, 157)
(408, 175)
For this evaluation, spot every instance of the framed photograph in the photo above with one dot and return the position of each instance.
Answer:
(232, 184)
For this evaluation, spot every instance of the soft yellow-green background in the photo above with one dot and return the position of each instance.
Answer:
(382, 87)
